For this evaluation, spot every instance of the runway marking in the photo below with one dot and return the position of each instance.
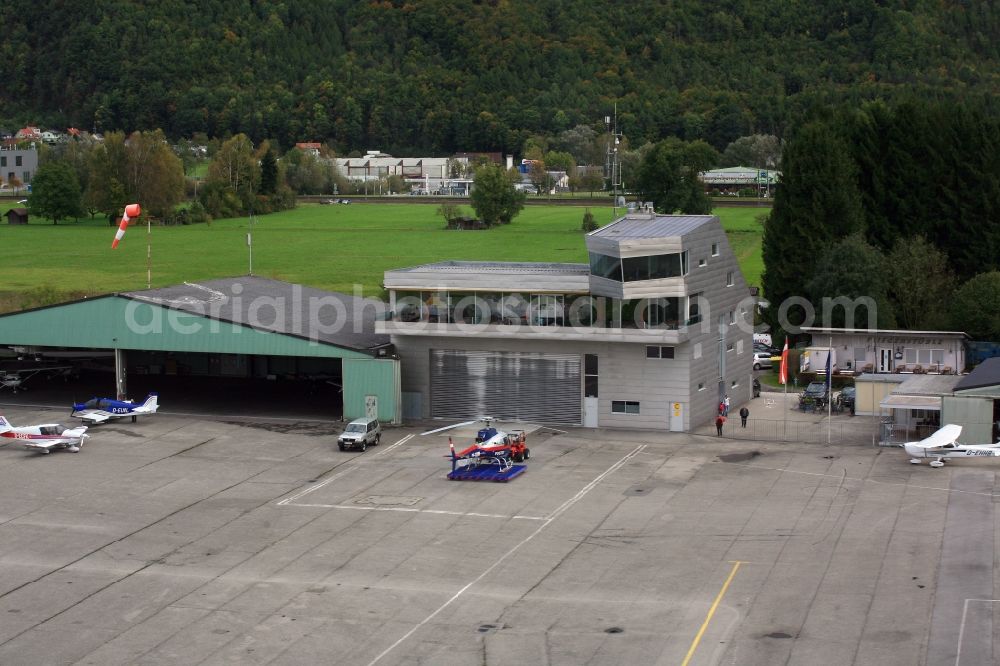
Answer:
(711, 612)
(288, 500)
(548, 521)
(413, 510)
(854, 478)
(961, 631)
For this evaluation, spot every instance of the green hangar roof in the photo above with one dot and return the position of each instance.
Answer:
(245, 315)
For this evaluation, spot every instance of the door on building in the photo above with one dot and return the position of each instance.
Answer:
(506, 385)
(885, 360)
(371, 406)
(590, 407)
(677, 417)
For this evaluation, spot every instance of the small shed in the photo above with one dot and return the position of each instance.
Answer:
(17, 216)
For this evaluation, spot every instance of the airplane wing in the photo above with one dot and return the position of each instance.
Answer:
(39, 444)
(94, 416)
(946, 435)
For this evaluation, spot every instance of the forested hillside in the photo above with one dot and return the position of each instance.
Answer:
(440, 75)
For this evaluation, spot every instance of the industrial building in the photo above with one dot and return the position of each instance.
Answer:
(250, 331)
(652, 333)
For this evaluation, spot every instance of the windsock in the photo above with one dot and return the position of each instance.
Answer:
(132, 211)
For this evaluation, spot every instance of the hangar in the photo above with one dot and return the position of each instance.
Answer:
(244, 335)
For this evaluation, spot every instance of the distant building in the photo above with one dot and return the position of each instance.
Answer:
(732, 179)
(17, 216)
(17, 164)
(310, 147)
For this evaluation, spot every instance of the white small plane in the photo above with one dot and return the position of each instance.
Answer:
(943, 444)
(43, 438)
(99, 410)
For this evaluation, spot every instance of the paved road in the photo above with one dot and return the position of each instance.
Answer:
(176, 540)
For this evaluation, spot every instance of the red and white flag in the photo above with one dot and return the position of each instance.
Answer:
(132, 211)
(783, 370)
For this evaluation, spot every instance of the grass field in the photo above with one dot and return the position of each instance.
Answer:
(331, 247)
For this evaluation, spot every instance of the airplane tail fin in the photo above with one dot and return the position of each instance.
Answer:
(151, 403)
(5, 424)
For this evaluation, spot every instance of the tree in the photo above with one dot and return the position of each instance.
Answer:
(450, 211)
(975, 307)
(154, 175)
(589, 223)
(815, 204)
(268, 173)
(851, 268)
(668, 176)
(55, 192)
(920, 284)
(232, 180)
(762, 151)
(494, 197)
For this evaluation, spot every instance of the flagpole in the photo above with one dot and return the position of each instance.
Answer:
(149, 253)
(829, 389)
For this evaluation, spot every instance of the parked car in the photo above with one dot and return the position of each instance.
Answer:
(761, 360)
(846, 398)
(756, 387)
(360, 433)
(815, 394)
(758, 347)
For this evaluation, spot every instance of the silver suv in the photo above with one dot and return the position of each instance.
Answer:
(360, 433)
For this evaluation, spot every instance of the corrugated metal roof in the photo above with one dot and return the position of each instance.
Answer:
(927, 385)
(280, 307)
(986, 373)
(643, 225)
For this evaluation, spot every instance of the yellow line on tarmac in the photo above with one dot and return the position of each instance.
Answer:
(711, 612)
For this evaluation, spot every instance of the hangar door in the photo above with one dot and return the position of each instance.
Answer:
(506, 385)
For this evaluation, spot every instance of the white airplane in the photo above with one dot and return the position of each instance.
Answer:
(943, 444)
(43, 438)
(99, 410)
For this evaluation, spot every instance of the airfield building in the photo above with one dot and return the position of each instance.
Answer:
(652, 333)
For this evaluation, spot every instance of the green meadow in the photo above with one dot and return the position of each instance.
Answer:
(328, 246)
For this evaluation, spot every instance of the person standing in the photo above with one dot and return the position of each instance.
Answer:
(720, 421)
(725, 402)
(744, 415)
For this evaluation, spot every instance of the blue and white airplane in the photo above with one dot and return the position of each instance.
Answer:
(100, 410)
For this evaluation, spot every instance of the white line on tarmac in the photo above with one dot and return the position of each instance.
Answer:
(961, 631)
(413, 510)
(288, 500)
(548, 521)
(854, 478)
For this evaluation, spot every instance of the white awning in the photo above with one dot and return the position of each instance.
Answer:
(911, 402)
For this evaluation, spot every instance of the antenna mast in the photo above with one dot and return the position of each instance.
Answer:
(612, 166)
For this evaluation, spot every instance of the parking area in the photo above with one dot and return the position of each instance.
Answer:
(180, 539)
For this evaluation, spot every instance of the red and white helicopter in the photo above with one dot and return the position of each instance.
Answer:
(43, 438)
(493, 455)
(943, 445)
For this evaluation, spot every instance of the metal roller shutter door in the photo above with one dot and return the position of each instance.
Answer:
(507, 385)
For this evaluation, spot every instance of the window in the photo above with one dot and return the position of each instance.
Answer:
(590, 375)
(624, 407)
(701, 386)
(17, 160)
(694, 309)
(702, 263)
(739, 346)
(909, 356)
(860, 354)
(729, 347)
(606, 267)
(654, 267)
(715, 249)
(659, 352)
(3, 161)
(729, 279)
(732, 317)
(697, 350)
(733, 384)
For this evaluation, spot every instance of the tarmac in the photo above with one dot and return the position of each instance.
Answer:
(184, 539)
